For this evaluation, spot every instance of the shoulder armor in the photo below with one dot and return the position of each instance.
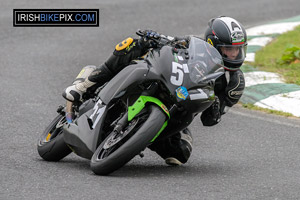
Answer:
(124, 44)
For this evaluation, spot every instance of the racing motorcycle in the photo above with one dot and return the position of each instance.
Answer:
(146, 102)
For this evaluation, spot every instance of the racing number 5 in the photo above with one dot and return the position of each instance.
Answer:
(177, 79)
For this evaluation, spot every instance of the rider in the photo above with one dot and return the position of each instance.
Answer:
(229, 37)
(226, 34)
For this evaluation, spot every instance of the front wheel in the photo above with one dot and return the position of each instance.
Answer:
(51, 145)
(119, 148)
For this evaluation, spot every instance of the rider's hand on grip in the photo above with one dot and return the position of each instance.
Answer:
(211, 115)
(216, 110)
(150, 34)
(149, 38)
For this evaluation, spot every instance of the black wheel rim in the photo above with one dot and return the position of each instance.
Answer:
(115, 140)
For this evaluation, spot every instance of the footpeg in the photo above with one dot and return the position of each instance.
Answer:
(60, 110)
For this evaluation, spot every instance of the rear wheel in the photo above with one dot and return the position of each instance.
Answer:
(119, 148)
(51, 145)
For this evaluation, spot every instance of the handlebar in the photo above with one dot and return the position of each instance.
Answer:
(157, 40)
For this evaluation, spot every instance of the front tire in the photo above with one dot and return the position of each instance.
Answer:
(113, 153)
(51, 145)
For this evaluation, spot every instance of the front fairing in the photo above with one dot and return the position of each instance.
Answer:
(189, 74)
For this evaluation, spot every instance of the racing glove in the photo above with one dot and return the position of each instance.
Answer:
(151, 34)
(150, 39)
(211, 116)
(216, 110)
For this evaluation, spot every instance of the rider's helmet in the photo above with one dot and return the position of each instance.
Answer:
(229, 37)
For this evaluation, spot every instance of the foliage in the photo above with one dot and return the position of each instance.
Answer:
(282, 59)
(291, 54)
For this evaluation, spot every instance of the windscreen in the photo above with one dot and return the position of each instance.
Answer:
(204, 60)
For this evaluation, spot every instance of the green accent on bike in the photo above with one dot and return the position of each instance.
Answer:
(161, 129)
(140, 104)
(175, 57)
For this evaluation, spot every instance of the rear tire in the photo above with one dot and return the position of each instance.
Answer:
(109, 157)
(51, 145)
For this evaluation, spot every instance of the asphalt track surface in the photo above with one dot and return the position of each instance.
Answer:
(249, 155)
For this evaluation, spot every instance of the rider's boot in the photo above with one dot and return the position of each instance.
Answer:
(88, 77)
(185, 145)
(74, 92)
(176, 149)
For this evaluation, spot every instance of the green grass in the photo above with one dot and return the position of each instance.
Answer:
(276, 112)
(267, 59)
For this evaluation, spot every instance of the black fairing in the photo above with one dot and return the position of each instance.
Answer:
(83, 135)
(131, 75)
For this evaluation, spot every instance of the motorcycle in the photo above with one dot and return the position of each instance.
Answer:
(146, 102)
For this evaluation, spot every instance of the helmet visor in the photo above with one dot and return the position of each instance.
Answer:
(233, 53)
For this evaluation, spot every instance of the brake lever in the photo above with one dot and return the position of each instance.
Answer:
(141, 33)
